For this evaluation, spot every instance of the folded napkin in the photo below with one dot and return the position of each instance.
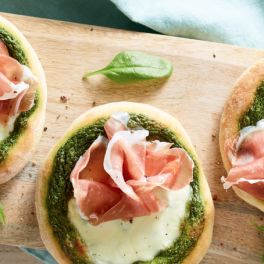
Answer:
(239, 22)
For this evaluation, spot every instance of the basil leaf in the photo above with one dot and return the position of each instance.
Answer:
(260, 228)
(132, 66)
(2, 215)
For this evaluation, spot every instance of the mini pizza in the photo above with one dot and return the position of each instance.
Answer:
(22, 100)
(242, 137)
(123, 186)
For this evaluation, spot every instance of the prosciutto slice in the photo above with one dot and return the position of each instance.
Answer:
(247, 159)
(3, 49)
(17, 90)
(122, 176)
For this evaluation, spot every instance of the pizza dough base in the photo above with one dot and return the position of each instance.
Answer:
(20, 153)
(90, 117)
(241, 98)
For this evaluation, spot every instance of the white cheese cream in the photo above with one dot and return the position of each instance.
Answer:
(124, 242)
(6, 129)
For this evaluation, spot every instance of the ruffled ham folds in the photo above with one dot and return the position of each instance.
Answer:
(120, 177)
(17, 90)
(247, 159)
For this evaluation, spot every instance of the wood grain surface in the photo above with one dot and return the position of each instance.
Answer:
(201, 82)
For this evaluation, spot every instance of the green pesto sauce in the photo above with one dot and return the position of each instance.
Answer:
(255, 111)
(13, 46)
(15, 51)
(60, 191)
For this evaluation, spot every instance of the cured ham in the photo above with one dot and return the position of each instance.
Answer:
(11, 69)
(247, 159)
(17, 91)
(3, 49)
(123, 176)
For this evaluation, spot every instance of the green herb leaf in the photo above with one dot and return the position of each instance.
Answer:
(260, 228)
(2, 215)
(132, 66)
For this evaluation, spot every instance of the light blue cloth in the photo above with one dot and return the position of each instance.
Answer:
(41, 255)
(239, 22)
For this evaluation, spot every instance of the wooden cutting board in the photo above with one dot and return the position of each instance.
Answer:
(201, 82)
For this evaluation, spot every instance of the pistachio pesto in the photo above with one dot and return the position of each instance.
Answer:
(15, 50)
(255, 111)
(60, 191)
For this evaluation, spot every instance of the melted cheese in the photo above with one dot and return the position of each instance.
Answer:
(6, 129)
(119, 242)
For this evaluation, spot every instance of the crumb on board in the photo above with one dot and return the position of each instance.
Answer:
(66, 107)
(214, 56)
(94, 103)
(213, 137)
(64, 99)
(45, 129)
(215, 197)
(58, 116)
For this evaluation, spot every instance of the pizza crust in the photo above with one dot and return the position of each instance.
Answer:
(20, 153)
(241, 98)
(90, 117)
